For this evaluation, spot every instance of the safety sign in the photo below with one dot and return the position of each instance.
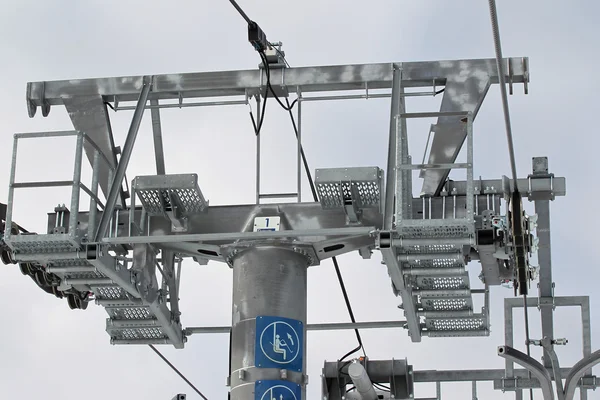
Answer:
(279, 343)
(277, 390)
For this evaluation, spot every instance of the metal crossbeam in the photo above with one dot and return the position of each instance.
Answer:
(86, 96)
(305, 79)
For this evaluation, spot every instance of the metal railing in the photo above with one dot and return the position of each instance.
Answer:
(76, 184)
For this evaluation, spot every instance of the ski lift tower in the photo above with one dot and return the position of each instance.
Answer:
(124, 249)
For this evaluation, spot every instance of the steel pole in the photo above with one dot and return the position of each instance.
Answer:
(267, 281)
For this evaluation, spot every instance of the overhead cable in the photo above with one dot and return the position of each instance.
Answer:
(502, 81)
(177, 371)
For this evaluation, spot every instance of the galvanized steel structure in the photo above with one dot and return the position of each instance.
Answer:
(113, 251)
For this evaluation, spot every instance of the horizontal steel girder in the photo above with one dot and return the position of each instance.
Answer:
(305, 79)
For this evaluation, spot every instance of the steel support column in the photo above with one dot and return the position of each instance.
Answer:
(159, 153)
(546, 292)
(267, 281)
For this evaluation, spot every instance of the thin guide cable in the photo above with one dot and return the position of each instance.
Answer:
(177, 371)
(335, 262)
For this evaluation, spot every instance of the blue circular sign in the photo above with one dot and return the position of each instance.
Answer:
(279, 392)
(280, 342)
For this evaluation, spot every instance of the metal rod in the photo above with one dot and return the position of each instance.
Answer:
(117, 303)
(311, 327)
(94, 195)
(124, 161)
(435, 166)
(427, 271)
(178, 273)
(434, 114)
(430, 207)
(240, 235)
(117, 212)
(74, 216)
(138, 323)
(68, 270)
(502, 81)
(20, 185)
(89, 281)
(390, 186)
(132, 223)
(470, 184)
(159, 153)
(89, 141)
(258, 122)
(347, 97)
(299, 152)
(30, 135)
(140, 341)
(445, 314)
(433, 241)
(11, 190)
(444, 293)
(527, 341)
(479, 375)
(365, 97)
(278, 195)
(430, 256)
(185, 105)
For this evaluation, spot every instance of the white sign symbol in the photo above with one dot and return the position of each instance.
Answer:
(270, 395)
(283, 350)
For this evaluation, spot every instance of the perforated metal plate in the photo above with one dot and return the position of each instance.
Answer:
(459, 304)
(137, 333)
(129, 313)
(82, 275)
(440, 231)
(443, 282)
(70, 263)
(156, 192)
(363, 185)
(430, 249)
(456, 324)
(437, 263)
(109, 293)
(51, 243)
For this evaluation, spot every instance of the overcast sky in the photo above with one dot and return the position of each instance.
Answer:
(50, 352)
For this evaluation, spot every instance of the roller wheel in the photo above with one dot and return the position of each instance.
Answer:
(82, 303)
(26, 268)
(41, 279)
(7, 258)
(72, 301)
(57, 292)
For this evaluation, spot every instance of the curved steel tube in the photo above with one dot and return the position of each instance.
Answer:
(537, 369)
(578, 371)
